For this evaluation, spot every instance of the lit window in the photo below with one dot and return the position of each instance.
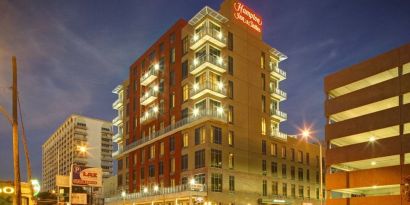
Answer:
(231, 161)
(230, 138)
(263, 125)
(185, 140)
(185, 92)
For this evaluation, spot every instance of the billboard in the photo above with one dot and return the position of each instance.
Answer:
(86, 176)
(78, 198)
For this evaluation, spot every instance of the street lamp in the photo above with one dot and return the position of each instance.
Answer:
(306, 134)
(123, 195)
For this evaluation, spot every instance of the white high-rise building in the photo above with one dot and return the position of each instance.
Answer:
(79, 140)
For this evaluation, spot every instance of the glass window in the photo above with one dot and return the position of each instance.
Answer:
(230, 41)
(151, 170)
(300, 174)
(230, 65)
(275, 188)
(284, 170)
(217, 135)
(293, 190)
(200, 178)
(264, 167)
(231, 183)
(184, 162)
(185, 46)
(264, 188)
(199, 159)
(172, 165)
(216, 182)
(230, 114)
(160, 168)
(185, 140)
(263, 147)
(301, 195)
(216, 158)
(184, 70)
(231, 161)
(292, 173)
(274, 167)
(231, 139)
(172, 144)
(284, 189)
(263, 104)
(263, 60)
(172, 55)
(230, 89)
(200, 135)
(263, 126)
(161, 150)
(300, 156)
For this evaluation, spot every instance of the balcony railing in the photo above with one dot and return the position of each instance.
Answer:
(277, 72)
(212, 61)
(117, 104)
(149, 97)
(150, 75)
(149, 115)
(117, 137)
(278, 94)
(117, 121)
(279, 115)
(208, 34)
(278, 134)
(181, 124)
(197, 188)
(200, 89)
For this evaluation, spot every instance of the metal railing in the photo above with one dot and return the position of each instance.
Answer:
(201, 114)
(278, 134)
(148, 94)
(151, 71)
(208, 85)
(213, 59)
(278, 92)
(118, 101)
(279, 113)
(274, 68)
(218, 35)
(159, 192)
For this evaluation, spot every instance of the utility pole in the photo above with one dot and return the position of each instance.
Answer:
(17, 184)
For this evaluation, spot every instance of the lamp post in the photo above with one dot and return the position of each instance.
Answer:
(306, 134)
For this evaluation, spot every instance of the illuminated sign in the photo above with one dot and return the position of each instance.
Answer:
(36, 186)
(87, 176)
(247, 16)
(6, 190)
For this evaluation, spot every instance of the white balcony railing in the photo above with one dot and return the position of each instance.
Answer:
(200, 89)
(150, 75)
(208, 34)
(277, 72)
(201, 114)
(212, 61)
(278, 134)
(277, 114)
(149, 97)
(197, 188)
(117, 120)
(117, 104)
(278, 93)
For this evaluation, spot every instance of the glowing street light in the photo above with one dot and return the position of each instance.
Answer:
(156, 188)
(145, 190)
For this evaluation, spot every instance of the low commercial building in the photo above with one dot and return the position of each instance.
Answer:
(368, 131)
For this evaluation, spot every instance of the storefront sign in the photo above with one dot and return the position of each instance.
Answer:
(86, 176)
(78, 198)
(247, 16)
(62, 181)
(7, 190)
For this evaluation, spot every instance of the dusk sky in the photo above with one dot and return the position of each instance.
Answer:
(71, 54)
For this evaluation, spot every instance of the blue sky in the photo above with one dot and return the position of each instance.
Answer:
(71, 54)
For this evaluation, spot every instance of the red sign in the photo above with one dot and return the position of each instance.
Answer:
(247, 16)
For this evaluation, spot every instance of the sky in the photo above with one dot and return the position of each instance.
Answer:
(71, 54)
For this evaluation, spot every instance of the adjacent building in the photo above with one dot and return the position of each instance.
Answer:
(199, 119)
(368, 131)
(78, 140)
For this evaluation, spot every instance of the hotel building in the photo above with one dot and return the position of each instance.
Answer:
(368, 131)
(203, 119)
(62, 148)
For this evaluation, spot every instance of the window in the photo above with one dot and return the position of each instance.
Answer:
(184, 70)
(264, 167)
(263, 60)
(216, 158)
(199, 159)
(185, 92)
(307, 175)
(216, 182)
(300, 157)
(307, 159)
(284, 189)
(283, 152)
(300, 174)
(161, 47)
(160, 168)
(264, 188)
(172, 144)
(230, 65)
(275, 188)
(263, 103)
(308, 192)
(292, 154)
(273, 149)
(119, 164)
(172, 100)
(231, 139)
(230, 114)
(292, 173)
(274, 168)
(185, 140)
(317, 193)
(263, 147)
(119, 180)
(185, 45)
(152, 152)
(230, 41)
(184, 162)
(142, 156)
(172, 38)
(142, 173)
(263, 81)
(172, 55)
(200, 135)
(184, 113)
(151, 56)
(151, 170)
(217, 135)
(293, 190)
(231, 183)
(284, 170)
(231, 161)
(301, 191)
(172, 165)
(171, 78)
(200, 178)
(263, 126)
(161, 148)
(230, 89)
(317, 177)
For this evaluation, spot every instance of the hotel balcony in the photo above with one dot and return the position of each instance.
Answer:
(117, 121)
(208, 61)
(80, 137)
(150, 115)
(149, 97)
(277, 73)
(82, 160)
(197, 117)
(200, 89)
(117, 104)
(207, 34)
(278, 115)
(278, 94)
(276, 134)
(181, 193)
(117, 137)
(150, 75)
(118, 153)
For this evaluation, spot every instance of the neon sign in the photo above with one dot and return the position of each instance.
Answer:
(7, 190)
(247, 16)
